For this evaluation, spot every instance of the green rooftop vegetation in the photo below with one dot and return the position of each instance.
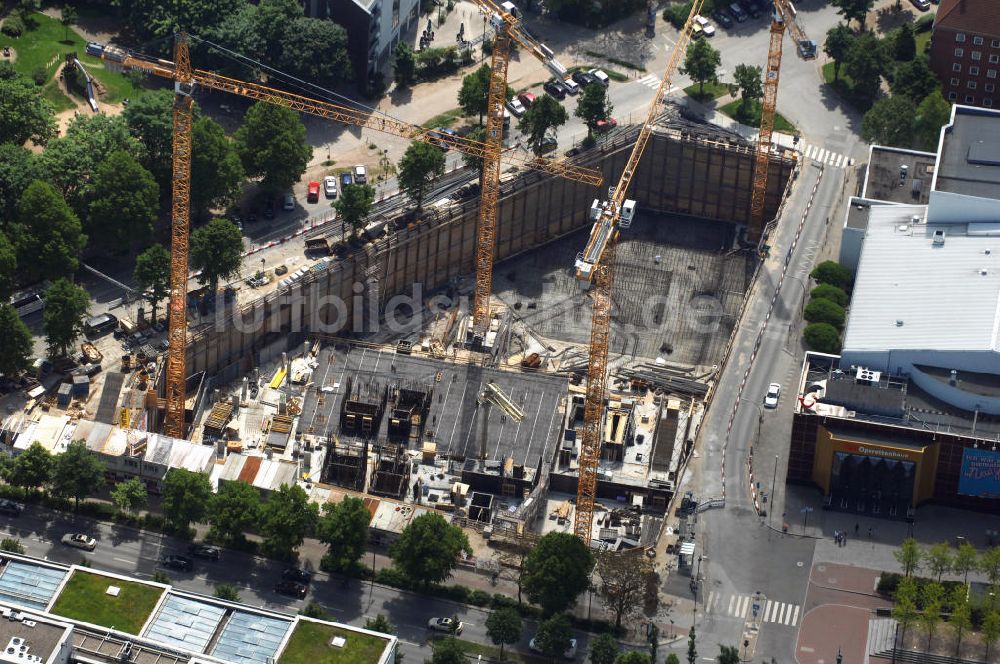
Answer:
(85, 598)
(310, 643)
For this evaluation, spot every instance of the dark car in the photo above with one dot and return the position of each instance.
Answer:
(269, 208)
(807, 49)
(297, 575)
(346, 179)
(555, 88)
(583, 78)
(10, 508)
(722, 18)
(205, 551)
(291, 588)
(174, 561)
(548, 144)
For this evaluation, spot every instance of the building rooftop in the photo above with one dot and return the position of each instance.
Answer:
(915, 280)
(969, 159)
(30, 637)
(974, 16)
(898, 176)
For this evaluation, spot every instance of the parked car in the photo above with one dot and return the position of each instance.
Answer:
(807, 49)
(705, 25)
(449, 625)
(10, 508)
(527, 98)
(555, 89)
(288, 203)
(291, 588)
(606, 124)
(922, 5)
(312, 193)
(722, 18)
(571, 86)
(207, 551)
(178, 562)
(600, 77)
(100, 325)
(297, 575)
(570, 652)
(330, 186)
(360, 174)
(548, 144)
(516, 107)
(583, 78)
(269, 208)
(697, 32)
(79, 541)
(737, 11)
(772, 396)
(437, 136)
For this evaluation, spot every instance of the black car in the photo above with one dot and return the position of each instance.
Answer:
(583, 78)
(205, 551)
(722, 18)
(555, 88)
(10, 508)
(807, 49)
(297, 575)
(291, 588)
(174, 561)
(269, 208)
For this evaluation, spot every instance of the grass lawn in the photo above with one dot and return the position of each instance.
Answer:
(712, 91)
(923, 40)
(446, 119)
(85, 598)
(780, 123)
(492, 653)
(310, 643)
(45, 44)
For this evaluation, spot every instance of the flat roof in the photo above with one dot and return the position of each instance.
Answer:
(251, 637)
(969, 160)
(29, 584)
(187, 621)
(887, 180)
(41, 638)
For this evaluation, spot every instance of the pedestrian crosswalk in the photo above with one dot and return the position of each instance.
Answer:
(828, 157)
(652, 81)
(742, 606)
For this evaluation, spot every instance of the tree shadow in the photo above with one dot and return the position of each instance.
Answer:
(888, 18)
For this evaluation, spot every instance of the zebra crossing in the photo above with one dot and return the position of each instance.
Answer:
(741, 606)
(652, 81)
(828, 157)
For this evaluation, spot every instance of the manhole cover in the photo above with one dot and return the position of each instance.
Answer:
(821, 568)
(798, 564)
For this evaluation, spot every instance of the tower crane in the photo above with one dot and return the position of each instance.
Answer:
(596, 265)
(185, 81)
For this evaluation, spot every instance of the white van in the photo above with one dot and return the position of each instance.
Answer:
(601, 77)
(571, 86)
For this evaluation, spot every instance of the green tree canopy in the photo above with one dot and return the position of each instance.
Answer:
(48, 235)
(227, 591)
(593, 106)
(692, 651)
(989, 564)
(748, 78)
(234, 510)
(728, 655)
(603, 649)
(556, 571)
(316, 50)
(820, 310)
(24, 113)
(31, 469)
(914, 79)
(77, 473)
(404, 65)
(960, 619)
(544, 115)
(216, 169)
(966, 560)
(149, 118)
(447, 651)
(15, 351)
(428, 549)
(889, 122)
(286, 518)
(853, 10)
(217, 250)
(8, 271)
(554, 635)
(904, 610)
(632, 657)
(838, 45)
(343, 527)
(354, 204)
(152, 19)
(673, 659)
(19, 167)
(272, 145)
(65, 308)
(904, 45)
(932, 114)
(623, 583)
(421, 164)
(701, 63)
(939, 559)
(833, 273)
(124, 201)
(472, 96)
(130, 495)
(380, 624)
(864, 65)
(989, 630)
(152, 274)
(822, 337)
(832, 293)
(472, 160)
(67, 17)
(186, 497)
(504, 626)
(909, 556)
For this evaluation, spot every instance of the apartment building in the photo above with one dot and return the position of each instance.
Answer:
(965, 51)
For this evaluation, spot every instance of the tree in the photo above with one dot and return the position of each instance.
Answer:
(853, 10)
(545, 114)
(217, 250)
(286, 518)
(65, 308)
(593, 106)
(932, 595)
(315, 610)
(149, 119)
(748, 78)
(908, 555)
(130, 496)
(67, 17)
(473, 95)
(380, 624)
(447, 651)
(864, 65)
(938, 558)
(960, 619)
(15, 351)
(632, 657)
(354, 204)
(216, 169)
(904, 45)
(404, 65)
(153, 19)
(12, 545)
(19, 167)
(503, 626)
(24, 114)
(152, 274)
(185, 498)
(966, 559)
(234, 510)
(472, 160)
(344, 529)
(989, 631)
(428, 549)
(420, 165)
(603, 649)
(889, 122)
(316, 50)
(272, 145)
(833, 273)
(554, 634)
(623, 582)
(556, 571)
(702, 63)
(8, 273)
(989, 563)
(832, 293)
(31, 469)
(48, 235)
(728, 655)
(124, 203)
(837, 46)
(914, 79)
(824, 311)
(77, 473)
(692, 653)
(904, 610)
(932, 114)
(228, 592)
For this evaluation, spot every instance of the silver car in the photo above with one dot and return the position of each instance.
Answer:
(79, 541)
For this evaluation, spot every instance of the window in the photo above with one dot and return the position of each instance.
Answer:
(952, 96)
(960, 37)
(971, 85)
(956, 68)
(995, 43)
(976, 55)
(989, 87)
(978, 41)
(969, 99)
(954, 82)
(973, 71)
(994, 59)
(959, 52)
(991, 73)
(987, 102)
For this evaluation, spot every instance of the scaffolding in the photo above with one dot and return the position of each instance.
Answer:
(346, 463)
(391, 470)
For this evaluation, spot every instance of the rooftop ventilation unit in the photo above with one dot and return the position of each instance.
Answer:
(867, 376)
(938, 238)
